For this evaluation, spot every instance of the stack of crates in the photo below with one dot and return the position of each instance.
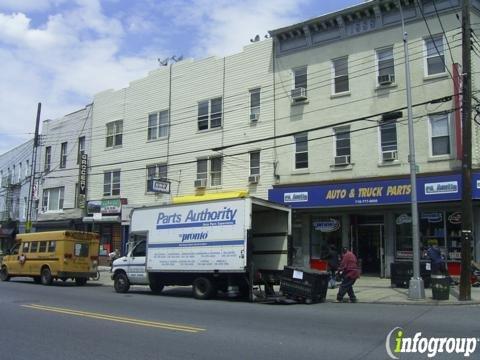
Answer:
(306, 285)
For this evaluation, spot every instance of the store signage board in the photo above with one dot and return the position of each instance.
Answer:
(476, 186)
(382, 192)
(105, 206)
(161, 186)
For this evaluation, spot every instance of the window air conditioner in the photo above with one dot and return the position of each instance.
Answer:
(254, 117)
(253, 179)
(299, 94)
(389, 155)
(200, 183)
(386, 79)
(342, 160)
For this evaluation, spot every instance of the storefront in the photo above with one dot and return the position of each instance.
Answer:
(374, 219)
(104, 217)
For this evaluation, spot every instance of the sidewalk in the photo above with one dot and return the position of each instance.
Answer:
(375, 290)
(370, 290)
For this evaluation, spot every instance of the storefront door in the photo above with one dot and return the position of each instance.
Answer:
(370, 249)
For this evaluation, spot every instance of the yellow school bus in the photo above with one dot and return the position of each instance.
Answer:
(50, 255)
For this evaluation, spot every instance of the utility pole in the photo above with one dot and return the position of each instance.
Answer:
(465, 286)
(416, 290)
(28, 222)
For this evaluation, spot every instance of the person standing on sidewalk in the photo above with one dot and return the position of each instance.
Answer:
(350, 274)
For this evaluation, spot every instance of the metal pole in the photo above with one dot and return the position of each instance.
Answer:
(28, 220)
(416, 290)
(465, 286)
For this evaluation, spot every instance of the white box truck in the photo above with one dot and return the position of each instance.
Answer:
(213, 245)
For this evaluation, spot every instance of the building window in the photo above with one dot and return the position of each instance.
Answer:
(301, 151)
(202, 169)
(81, 148)
(48, 158)
(63, 155)
(27, 168)
(254, 104)
(210, 114)
(53, 199)
(20, 174)
(155, 172)
(435, 57)
(158, 125)
(255, 163)
(114, 133)
(300, 77)
(111, 183)
(388, 135)
(385, 65)
(342, 145)
(216, 171)
(440, 131)
(340, 75)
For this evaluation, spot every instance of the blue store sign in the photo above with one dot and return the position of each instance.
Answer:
(383, 192)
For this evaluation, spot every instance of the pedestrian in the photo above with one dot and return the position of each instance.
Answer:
(332, 265)
(113, 256)
(350, 274)
(437, 260)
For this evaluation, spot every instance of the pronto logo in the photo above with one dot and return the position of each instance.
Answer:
(397, 343)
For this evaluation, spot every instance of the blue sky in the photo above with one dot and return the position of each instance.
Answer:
(62, 52)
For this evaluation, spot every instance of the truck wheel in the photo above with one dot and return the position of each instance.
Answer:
(121, 283)
(203, 288)
(156, 287)
(46, 276)
(80, 281)
(4, 274)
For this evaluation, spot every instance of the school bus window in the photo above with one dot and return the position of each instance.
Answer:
(81, 249)
(51, 246)
(42, 247)
(15, 249)
(34, 246)
(25, 247)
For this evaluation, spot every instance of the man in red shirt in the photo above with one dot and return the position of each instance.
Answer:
(350, 273)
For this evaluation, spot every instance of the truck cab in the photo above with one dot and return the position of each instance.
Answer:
(130, 269)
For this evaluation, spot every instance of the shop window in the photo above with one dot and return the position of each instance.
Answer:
(326, 231)
(442, 227)
(432, 230)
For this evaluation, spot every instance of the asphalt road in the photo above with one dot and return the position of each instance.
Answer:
(65, 321)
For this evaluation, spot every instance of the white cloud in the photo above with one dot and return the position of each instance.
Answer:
(61, 63)
(78, 50)
(225, 26)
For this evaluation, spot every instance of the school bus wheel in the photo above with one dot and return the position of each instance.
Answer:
(46, 276)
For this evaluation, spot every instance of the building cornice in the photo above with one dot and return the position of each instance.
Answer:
(374, 15)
